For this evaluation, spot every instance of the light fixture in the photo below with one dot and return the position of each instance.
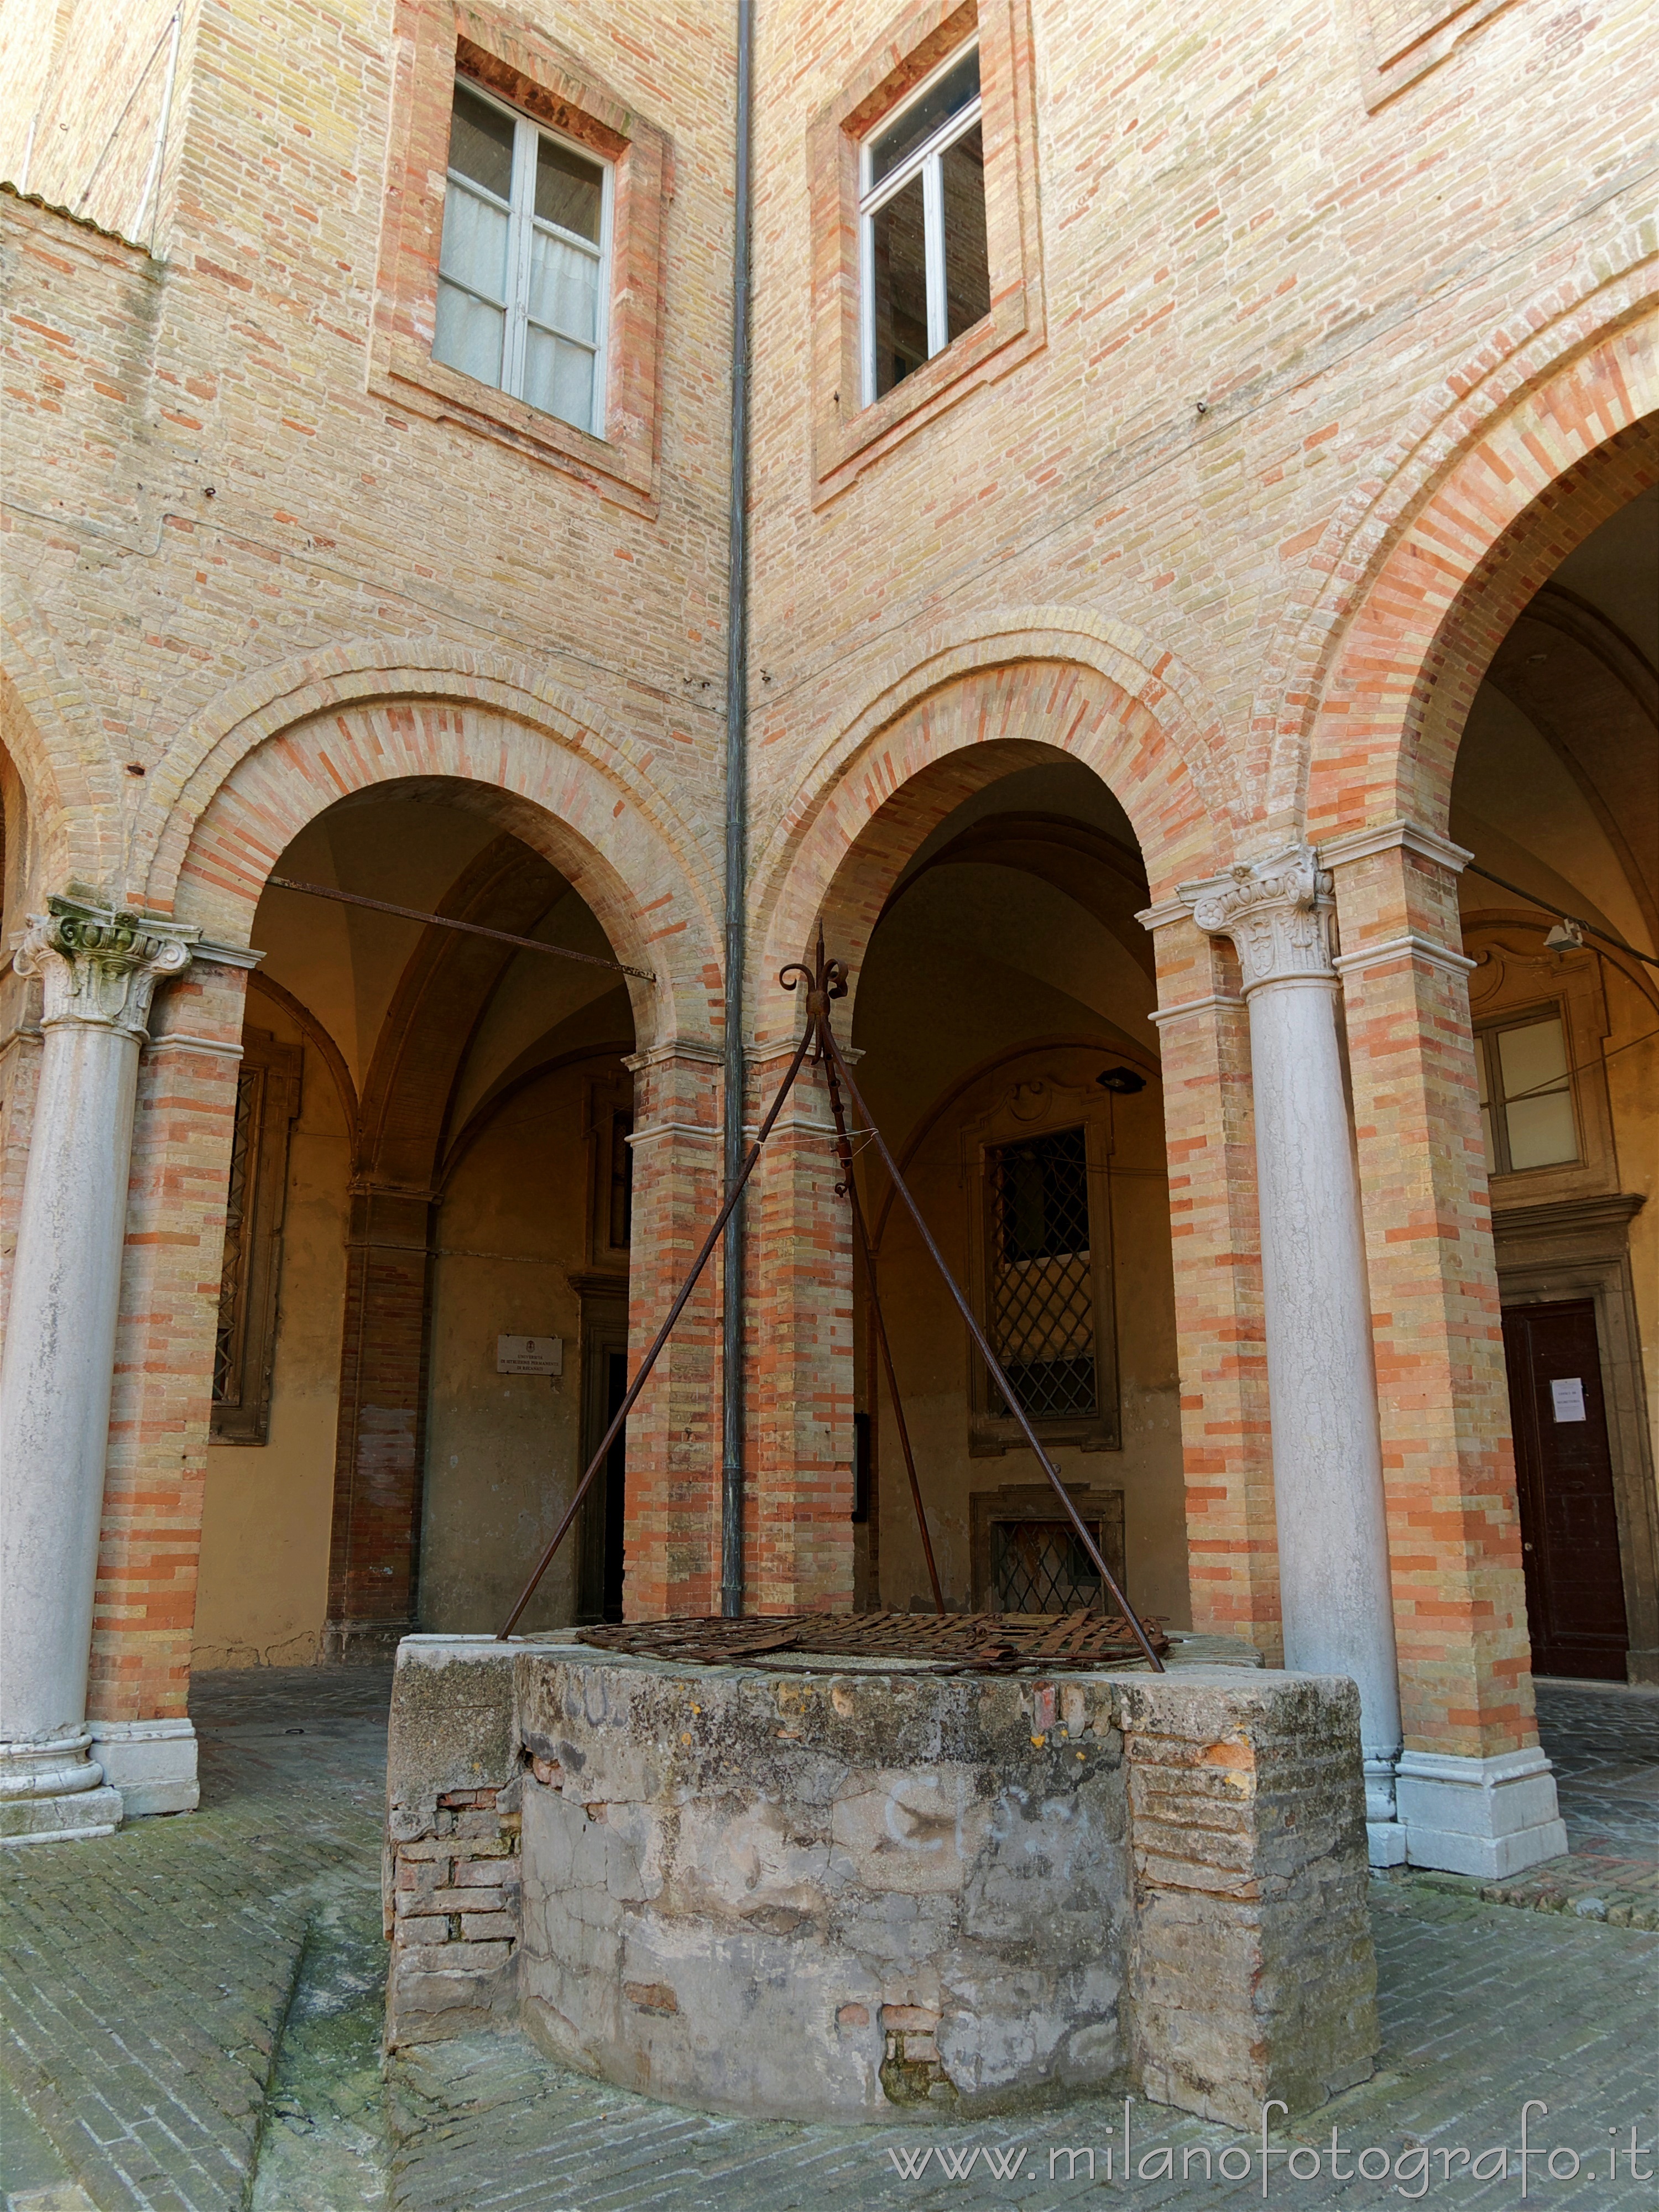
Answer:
(1123, 1081)
(1565, 937)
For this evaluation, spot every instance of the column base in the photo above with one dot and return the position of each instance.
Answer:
(151, 1763)
(52, 1792)
(1385, 1839)
(1489, 1817)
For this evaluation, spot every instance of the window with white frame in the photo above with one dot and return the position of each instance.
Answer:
(522, 280)
(926, 266)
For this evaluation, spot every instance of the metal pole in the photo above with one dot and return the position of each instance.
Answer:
(661, 1337)
(1108, 1578)
(737, 837)
(845, 1150)
(448, 921)
(152, 182)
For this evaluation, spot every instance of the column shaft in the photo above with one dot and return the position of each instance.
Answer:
(98, 970)
(1328, 1470)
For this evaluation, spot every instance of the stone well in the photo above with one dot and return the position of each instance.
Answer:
(835, 1889)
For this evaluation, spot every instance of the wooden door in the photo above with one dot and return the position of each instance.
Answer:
(1568, 1523)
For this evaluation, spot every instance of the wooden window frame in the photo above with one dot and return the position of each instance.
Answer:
(1035, 1107)
(609, 1104)
(521, 211)
(535, 78)
(268, 1094)
(1513, 983)
(1498, 1098)
(848, 436)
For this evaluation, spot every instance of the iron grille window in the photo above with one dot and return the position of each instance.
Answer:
(1040, 1303)
(1039, 1566)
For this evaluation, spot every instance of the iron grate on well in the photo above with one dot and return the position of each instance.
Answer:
(988, 1642)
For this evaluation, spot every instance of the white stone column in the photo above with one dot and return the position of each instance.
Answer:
(98, 970)
(1321, 1388)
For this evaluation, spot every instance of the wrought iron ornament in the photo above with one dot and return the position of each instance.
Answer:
(987, 1642)
(826, 981)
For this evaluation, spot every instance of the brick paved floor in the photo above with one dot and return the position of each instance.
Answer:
(191, 2013)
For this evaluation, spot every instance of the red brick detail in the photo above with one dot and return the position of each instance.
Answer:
(1209, 1134)
(672, 1553)
(145, 1605)
(1443, 1402)
(798, 1529)
(517, 762)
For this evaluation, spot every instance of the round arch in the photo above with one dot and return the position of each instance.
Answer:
(1398, 673)
(959, 721)
(520, 773)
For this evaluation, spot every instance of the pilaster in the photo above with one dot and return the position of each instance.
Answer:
(799, 1525)
(1460, 1604)
(672, 1560)
(162, 1399)
(1215, 1236)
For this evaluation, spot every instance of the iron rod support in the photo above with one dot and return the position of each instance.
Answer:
(662, 1335)
(449, 921)
(1108, 1579)
(845, 1151)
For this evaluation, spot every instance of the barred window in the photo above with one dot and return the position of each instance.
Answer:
(1040, 1301)
(244, 1342)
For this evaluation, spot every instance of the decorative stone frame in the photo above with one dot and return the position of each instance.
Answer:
(847, 436)
(438, 40)
(1508, 983)
(1035, 1501)
(1056, 1106)
(1579, 1249)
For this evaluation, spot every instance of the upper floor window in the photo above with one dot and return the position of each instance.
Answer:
(923, 248)
(1526, 1095)
(523, 272)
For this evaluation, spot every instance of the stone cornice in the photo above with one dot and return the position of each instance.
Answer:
(98, 966)
(1386, 838)
(1278, 913)
(1396, 948)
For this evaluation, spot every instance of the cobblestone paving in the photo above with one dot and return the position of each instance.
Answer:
(191, 2014)
(145, 1980)
(1603, 1741)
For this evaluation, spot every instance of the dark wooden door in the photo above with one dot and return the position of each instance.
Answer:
(1568, 1524)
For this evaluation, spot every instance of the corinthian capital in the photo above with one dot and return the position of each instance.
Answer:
(100, 964)
(1277, 912)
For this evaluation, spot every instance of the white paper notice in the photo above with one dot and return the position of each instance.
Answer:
(538, 1355)
(1567, 1396)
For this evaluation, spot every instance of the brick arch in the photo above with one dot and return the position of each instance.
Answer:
(61, 842)
(959, 723)
(1374, 716)
(529, 775)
